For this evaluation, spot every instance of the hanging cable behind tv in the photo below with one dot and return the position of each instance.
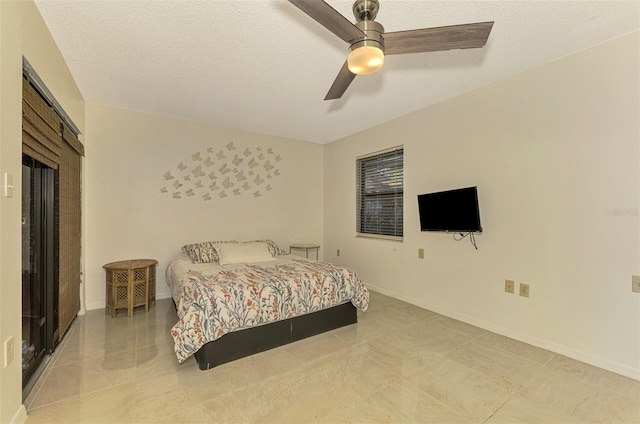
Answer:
(460, 236)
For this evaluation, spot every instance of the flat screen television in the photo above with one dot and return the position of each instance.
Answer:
(453, 211)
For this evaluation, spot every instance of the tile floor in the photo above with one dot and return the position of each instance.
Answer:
(399, 364)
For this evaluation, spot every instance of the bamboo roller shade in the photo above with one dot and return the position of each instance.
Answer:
(47, 139)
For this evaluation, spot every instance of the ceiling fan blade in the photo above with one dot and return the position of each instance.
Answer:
(330, 18)
(341, 83)
(467, 36)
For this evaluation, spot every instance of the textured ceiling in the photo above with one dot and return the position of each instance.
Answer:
(264, 66)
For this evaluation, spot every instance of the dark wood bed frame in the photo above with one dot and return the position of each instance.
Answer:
(239, 344)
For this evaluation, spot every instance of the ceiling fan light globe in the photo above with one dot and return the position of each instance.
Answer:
(365, 60)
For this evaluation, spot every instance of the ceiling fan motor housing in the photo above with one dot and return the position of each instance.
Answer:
(365, 12)
(373, 32)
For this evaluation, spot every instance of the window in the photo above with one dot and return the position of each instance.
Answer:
(379, 191)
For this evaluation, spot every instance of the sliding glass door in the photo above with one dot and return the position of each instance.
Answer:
(39, 258)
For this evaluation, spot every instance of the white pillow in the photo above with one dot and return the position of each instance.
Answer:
(235, 253)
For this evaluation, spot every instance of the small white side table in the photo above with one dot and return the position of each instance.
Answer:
(306, 247)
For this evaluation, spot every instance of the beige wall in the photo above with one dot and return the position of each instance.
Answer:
(128, 214)
(22, 32)
(555, 154)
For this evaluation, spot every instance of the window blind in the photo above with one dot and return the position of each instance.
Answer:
(41, 131)
(69, 221)
(380, 192)
(50, 140)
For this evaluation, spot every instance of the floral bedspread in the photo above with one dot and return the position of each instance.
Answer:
(210, 306)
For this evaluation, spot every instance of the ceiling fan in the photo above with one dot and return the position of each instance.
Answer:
(369, 43)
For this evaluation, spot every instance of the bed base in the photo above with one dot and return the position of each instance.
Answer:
(239, 344)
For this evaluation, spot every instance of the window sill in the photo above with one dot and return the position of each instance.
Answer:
(380, 237)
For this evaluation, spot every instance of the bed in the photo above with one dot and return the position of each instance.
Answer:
(231, 305)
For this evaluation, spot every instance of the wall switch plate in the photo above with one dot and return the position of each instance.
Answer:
(509, 286)
(420, 253)
(338, 252)
(8, 351)
(8, 185)
(635, 283)
(524, 289)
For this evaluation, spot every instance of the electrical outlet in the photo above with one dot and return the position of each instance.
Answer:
(420, 253)
(8, 351)
(509, 286)
(635, 283)
(338, 252)
(524, 289)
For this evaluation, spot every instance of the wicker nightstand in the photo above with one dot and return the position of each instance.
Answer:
(129, 284)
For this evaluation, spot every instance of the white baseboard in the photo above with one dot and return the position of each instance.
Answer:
(92, 306)
(567, 351)
(20, 417)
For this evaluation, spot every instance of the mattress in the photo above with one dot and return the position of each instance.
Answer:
(213, 300)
